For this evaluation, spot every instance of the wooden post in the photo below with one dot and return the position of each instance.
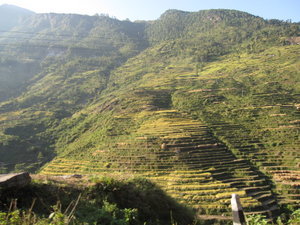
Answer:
(237, 211)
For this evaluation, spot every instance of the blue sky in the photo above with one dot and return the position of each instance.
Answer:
(152, 9)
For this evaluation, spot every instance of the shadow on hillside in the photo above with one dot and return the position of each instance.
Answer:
(105, 198)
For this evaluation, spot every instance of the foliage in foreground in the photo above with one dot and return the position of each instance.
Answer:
(108, 214)
(112, 215)
(261, 220)
(107, 202)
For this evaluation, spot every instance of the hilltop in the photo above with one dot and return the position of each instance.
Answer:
(204, 103)
(11, 15)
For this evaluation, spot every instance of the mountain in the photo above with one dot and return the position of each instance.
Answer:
(202, 103)
(11, 15)
(43, 37)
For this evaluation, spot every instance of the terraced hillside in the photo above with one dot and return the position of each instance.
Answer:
(205, 108)
(258, 124)
(199, 161)
(185, 159)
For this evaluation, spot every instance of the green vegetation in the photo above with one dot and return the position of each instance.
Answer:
(261, 220)
(203, 104)
(102, 201)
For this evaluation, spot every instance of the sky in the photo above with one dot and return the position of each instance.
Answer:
(152, 9)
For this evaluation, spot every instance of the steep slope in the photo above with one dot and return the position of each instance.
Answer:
(51, 66)
(136, 130)
(199, 111)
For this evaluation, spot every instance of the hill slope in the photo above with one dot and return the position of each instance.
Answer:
(202, 103)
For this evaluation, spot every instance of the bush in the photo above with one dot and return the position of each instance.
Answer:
(257, 220)
(295, 218)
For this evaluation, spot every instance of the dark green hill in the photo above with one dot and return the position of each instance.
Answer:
(203, 103)
(175, 24)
